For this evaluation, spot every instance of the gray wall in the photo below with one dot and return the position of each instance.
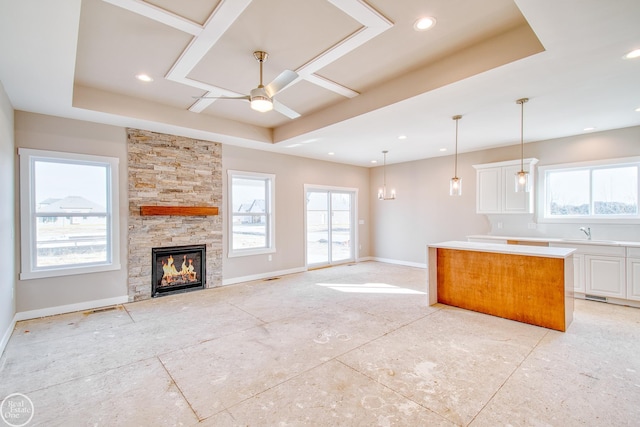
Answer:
(397, 230)
(7, 219)
(424, 212)
(292, 173)
(57, 134)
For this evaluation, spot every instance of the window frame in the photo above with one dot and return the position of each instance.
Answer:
(270, 197)
(29, 216)
(590, 166)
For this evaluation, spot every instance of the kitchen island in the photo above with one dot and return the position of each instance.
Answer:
(530, 284)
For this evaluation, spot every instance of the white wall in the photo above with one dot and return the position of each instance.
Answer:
(39, 296)
(292, 173)
(7, 219)
(424, 212)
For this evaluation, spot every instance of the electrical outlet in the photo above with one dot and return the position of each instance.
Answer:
(499, 225)
(270, 258)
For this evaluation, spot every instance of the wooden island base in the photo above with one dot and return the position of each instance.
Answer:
(530, 289)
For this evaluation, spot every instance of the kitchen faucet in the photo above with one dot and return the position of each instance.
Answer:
(587, 231)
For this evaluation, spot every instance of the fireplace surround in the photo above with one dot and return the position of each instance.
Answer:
(177, 269)
(172, 172)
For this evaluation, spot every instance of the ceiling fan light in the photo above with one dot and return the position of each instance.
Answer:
(261, 103)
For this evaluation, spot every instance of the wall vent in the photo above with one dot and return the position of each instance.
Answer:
(595, 298)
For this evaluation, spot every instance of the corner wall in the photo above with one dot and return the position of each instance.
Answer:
(7, 219)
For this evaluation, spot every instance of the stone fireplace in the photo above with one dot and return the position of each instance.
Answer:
(182, 173)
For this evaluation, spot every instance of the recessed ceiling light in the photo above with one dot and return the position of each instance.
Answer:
(638, 109)
(331, 153)
(633, 54)
(587, 129)
(402, 137)
(424, 23)
(443, 149)
(144, 78)
(374, 161)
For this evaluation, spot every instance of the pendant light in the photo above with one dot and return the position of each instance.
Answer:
(455, 185)
(522, 177)
(382, 193)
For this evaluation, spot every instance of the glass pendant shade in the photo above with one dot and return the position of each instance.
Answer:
(382, 192)
(455, 186)
(522, 181)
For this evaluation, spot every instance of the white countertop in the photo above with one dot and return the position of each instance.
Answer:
(565, 241)
(539, 251)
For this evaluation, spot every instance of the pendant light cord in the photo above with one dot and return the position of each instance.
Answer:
(455, 167)
(521, 102)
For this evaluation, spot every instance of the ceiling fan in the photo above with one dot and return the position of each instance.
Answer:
(261, 98)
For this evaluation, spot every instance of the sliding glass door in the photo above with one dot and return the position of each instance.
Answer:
(330, 217)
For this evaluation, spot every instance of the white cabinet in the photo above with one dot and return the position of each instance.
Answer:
(578, 268)
(633, 274)
(605, 276)
(495, 188)
(598, 269)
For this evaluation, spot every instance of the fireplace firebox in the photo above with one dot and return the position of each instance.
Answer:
(177, 269)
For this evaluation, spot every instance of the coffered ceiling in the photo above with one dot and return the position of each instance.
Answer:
(365, 75)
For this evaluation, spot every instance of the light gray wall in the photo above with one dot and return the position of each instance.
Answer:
(292, 173)
(57, 134)
(7, 217)
(424, 212)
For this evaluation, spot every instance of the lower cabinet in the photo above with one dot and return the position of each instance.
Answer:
(605, 276)
(633, 274)
(578, 268)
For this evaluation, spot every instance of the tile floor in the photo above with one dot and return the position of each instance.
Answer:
(354, 345)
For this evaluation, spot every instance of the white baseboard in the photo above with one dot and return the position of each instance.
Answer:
(398, 262)
(70, 308)
(260, 276)
(7, 335)
(365, 258)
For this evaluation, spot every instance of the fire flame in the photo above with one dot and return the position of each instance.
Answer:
(186, 274)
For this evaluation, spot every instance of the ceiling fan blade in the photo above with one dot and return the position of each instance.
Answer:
(222, 97)
(283, 109)
(280, 82)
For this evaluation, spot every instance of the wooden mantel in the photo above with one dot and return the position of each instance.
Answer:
(178, 210)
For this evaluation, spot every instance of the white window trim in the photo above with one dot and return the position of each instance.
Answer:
(27, 207)
(542, 196)
(269, 206)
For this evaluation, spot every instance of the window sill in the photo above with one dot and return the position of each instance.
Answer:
(43, 274)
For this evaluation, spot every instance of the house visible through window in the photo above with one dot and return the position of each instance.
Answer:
(595, 191)
(67, 216)
(252, 213)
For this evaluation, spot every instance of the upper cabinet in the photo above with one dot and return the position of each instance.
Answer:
(495, 188)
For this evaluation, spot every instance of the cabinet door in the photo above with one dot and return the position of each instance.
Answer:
(605, 276)
(514, 202)
(578, 280)
(633, 278)
(489, 195)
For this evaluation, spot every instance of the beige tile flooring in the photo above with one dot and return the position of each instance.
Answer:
(353, 345)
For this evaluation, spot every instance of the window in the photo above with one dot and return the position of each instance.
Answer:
(600, 192)
(68, 213)
(252, 218)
